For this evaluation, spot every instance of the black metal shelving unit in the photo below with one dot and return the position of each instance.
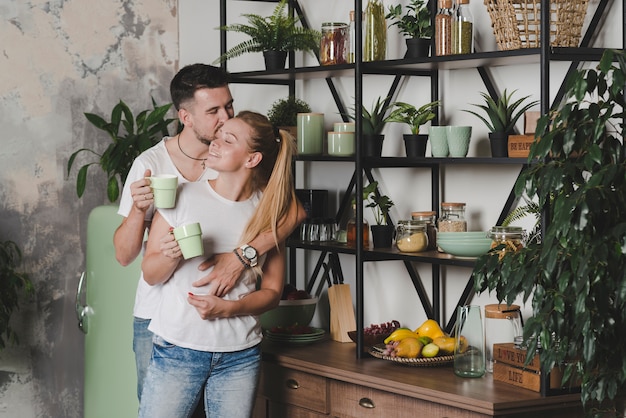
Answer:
(427, 67)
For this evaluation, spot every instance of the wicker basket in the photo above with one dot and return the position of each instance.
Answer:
(517, 23)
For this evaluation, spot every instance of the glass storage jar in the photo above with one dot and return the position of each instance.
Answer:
(452, 217)
(429, 219)
(411, 236)
(334, 44)
(351, 229)
(510, 236)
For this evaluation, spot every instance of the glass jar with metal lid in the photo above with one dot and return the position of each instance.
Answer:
(334, 43)
(510, 236)
(452, 217)
(503, 323)
(411, 236)
(429, 219)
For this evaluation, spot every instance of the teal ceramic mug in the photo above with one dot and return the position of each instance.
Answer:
(438, 139)
(458, 138)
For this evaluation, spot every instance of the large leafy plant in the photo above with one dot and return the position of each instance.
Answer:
(412, 116)
(576, 275)
(13, 283)
(277, 32)
(130, 136)
(502, 114)
(415, 23)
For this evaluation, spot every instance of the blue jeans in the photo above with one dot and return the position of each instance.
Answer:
(142, 346)
(176, 375)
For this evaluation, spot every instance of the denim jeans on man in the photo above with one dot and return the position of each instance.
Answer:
(142, 346)
(175, 377)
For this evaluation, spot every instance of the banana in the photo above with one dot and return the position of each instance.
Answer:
(400, 334)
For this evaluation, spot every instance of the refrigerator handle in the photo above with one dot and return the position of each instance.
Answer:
(81, 310)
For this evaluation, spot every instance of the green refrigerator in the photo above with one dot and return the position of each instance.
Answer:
(104, 307)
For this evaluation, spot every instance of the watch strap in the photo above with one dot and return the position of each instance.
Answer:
(246, 265)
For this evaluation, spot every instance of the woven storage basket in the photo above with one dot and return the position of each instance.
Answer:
(517, 23)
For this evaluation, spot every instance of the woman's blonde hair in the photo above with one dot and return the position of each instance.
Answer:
(273, 174)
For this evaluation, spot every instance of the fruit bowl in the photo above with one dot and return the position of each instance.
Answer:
(290, 312)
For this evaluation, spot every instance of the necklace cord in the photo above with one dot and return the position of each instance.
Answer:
(189, 156)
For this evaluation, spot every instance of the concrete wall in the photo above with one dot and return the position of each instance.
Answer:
(59, 59)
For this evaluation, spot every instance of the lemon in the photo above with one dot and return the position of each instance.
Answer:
(430, 350)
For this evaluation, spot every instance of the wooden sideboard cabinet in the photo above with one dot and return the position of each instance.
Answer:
(324, 379)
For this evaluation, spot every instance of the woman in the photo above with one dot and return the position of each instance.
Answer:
(204, 339)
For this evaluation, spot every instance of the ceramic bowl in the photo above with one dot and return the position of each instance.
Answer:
(450, 236)
(290, 312)
(465, 248)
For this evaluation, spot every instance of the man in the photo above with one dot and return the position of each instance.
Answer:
(203, 101)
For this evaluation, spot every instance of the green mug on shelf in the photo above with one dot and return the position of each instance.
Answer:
(310, 134)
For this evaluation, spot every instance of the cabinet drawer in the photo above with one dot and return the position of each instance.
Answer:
(296, 388)
(281, 410)
(353, 401)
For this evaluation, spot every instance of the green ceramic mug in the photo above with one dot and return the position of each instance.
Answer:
(310, 136)
(189, 239)
(340, 143)
(164, 190)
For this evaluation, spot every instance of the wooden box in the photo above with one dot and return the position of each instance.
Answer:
(509, 368)
(519, 145)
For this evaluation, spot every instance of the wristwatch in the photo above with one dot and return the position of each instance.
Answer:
(250, 254)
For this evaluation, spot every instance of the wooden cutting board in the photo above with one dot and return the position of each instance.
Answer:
(341, 312)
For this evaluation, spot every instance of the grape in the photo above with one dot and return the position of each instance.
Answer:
(382, 329)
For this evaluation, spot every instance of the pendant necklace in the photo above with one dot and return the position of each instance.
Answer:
(189, 156)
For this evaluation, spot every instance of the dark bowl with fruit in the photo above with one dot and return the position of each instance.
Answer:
(376, 333)
(295, 307)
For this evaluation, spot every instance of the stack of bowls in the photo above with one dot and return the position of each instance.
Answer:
(464, 244)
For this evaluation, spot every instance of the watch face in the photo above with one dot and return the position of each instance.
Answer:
(249, 252)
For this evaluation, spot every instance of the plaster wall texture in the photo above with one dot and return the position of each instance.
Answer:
(59, 59)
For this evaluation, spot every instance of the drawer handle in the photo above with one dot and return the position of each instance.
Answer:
(366, 403)
(292, 384)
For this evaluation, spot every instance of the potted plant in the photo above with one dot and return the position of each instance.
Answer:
(274, 35)
(415, 24)
(502, 115)
(130, 136)
(284, 113)
(373, 122)
(12, 284)
(382, 232)
(577, 273)
(414, 143)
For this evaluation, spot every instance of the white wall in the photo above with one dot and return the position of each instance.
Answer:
(389, 293)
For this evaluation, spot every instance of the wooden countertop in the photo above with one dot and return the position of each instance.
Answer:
(338, 361)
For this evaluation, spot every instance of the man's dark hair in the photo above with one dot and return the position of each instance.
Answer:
(193, 77)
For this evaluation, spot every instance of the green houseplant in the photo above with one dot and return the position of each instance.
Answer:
(130, 136)
(501, 116)
(415, 24)
(373, 123)
(274, 35)
(13, 283)
(415, 144)
(382, 232)
(284, 113)
(576, 275)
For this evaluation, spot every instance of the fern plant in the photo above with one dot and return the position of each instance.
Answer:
(130, 135)
(277, 32)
